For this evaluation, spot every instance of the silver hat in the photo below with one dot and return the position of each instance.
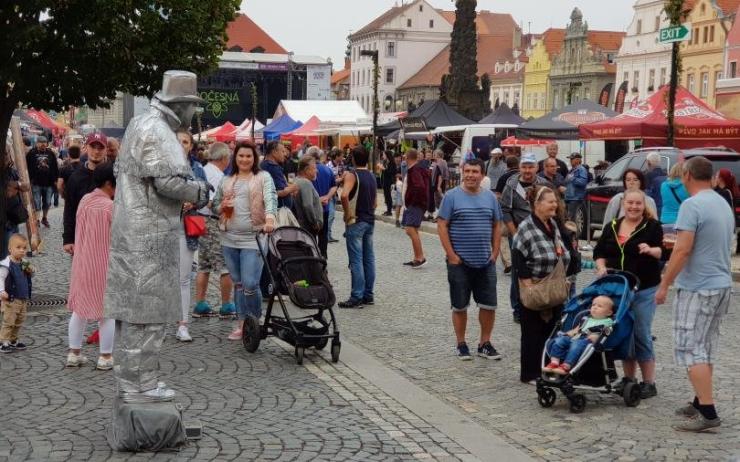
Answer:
(179, 86)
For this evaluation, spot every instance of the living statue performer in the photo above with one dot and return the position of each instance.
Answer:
(143, 292)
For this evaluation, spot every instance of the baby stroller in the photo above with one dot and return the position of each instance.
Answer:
(297, 269)
(595, 369)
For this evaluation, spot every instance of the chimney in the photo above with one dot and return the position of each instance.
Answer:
(347, 63)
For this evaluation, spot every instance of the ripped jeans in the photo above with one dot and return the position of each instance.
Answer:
(245, 267)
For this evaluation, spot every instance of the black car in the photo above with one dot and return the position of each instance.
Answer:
(605, 186)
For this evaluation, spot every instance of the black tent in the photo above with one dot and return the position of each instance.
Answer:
(502, 116)
(435, 113)
(563, 123)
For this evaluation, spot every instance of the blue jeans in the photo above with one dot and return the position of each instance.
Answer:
(568, 349)
(332, 213)
(359, 238)
(516, 305)
(480, 282)
(42, 197)
(245, 267)
(643, 306)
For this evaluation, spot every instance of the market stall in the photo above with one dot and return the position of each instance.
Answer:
(278, 126)
(306, 132)
(563, 123)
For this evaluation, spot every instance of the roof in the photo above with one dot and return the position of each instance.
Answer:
(553, 40)
(728, 7)
(502, 115)
(606, 40)
(245, 33)
(378, 22)
(487, 22)
(339, 112)
(228, 57)
(339, 76)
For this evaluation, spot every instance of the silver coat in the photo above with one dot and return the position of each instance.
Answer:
(153, 180)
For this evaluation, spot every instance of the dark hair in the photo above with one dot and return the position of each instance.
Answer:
(271, 147)
(103, 174)
(512, 161)
(477, 162)
(536, 192)
(240, 145)
(359, 156)
(74, 152)
(640, 176)
(412, 154)
(699, 167)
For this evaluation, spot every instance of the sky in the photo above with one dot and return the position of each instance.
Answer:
(320, 27)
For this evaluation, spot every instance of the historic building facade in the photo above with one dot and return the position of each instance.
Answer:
(536, 85)
(728, 87)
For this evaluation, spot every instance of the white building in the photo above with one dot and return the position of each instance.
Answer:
(643, 62)
(407, 37)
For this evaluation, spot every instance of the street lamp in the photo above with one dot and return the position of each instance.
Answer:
(376, 104)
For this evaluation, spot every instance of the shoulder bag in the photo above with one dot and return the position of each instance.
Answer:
(548, 292)
(195, 225)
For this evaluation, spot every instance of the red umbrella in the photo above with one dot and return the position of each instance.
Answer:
(512, 141)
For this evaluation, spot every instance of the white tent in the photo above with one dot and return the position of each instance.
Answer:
(244, 131)
(329, 112)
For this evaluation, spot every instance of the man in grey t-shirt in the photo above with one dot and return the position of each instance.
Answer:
(700, 266)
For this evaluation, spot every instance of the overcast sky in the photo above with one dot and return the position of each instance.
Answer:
(320, 27)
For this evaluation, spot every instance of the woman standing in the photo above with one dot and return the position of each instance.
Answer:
(246, 202)
(634, 243)
(632, 180)
(307, 205)
(537, 248)
(188, 245)
(90, 267)
(672, 193)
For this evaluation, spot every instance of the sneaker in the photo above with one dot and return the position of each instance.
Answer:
(648, 390)
(183, 335)
(463, 352)
(351, 303)
(698, 424)
(202, 309)
(387, 214)
(418, 264)
(398, 224)
(104, 364)
(74, 360)
(409, 263)
(488, 351)
(619, 388)
(6, 348)
(18, 345)
(507, 270)
(687, 411)
(228, 310)
(551, 367)
(236, 334)
(562, 369)
(368, 301)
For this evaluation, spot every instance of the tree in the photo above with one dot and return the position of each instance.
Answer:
(485, 86)
(57, 54)
(676, 14)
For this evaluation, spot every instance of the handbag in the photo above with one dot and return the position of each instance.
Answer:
(548, 292)
(195, 225)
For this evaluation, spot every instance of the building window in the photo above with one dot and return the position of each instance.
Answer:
(528, 104)
(543, 100)
(390, 49)
(535, 104)
(651, 80)
(421, 7)
(706, 33)
(506, 98)
(390, 75)
(636, 83)
(657, 23)
(733, 69)
(556, 100)
(626, 78)
(691, 87)
(362, 78)
(704, 84)
(431, 23)
(695, 37)
(408, 23)
(587, 93)
(717, 76)
(711, 34)
(663, 76)
(639, 26)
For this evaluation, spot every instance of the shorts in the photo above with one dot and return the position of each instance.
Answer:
(465, 280)
(696, 319)
(42, 196)
(412, 217)
(210, 255)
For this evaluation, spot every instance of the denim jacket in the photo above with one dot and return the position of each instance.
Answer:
(575, 184)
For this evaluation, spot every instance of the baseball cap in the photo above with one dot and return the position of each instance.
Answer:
(528, 158)
(497, 151)
(575, 155)
(96, 138)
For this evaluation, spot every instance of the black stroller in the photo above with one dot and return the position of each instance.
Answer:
(296, 268)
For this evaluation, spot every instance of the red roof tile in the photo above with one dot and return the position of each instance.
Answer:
(728, 7)
(339, 76)
(553, 40)
(606, 40)
(487, 23)
(245, 33)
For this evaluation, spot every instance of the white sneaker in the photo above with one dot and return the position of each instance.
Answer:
(74, 360)
(104, 364)
(183, 335)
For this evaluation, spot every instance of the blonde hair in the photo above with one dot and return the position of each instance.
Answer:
(676, 171)
(646, 212)
(17, 237)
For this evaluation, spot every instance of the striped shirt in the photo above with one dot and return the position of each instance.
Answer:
(471, 218)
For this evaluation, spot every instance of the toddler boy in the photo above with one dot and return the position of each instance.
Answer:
(15, 293)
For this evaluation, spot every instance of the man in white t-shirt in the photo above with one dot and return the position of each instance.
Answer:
(210, 256)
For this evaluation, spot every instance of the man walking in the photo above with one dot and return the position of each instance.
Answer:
(359, 199)
(700, 266)
(576, 182)
(416, 188)
(469, 227)
(388, 179)
(552, 153)
(43, 171)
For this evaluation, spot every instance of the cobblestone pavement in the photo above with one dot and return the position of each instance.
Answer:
(253, 407)
(409, 329)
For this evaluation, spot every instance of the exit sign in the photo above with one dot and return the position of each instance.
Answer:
(675, 33)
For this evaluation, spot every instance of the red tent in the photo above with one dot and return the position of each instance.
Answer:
(512, 141)
(697, 125)
(305, 131)
(227, 132)
(46, 121)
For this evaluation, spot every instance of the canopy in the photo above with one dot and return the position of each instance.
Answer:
(503, 116)
(329, 111)
(283, 124)
(697, 125)
(513, 141)
(227, 132)
(43, 119)
(436, 113)
(306, 131)
(244, 131)
(563, 123)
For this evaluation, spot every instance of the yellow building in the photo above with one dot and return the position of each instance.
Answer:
(703, 55)
(537, 72)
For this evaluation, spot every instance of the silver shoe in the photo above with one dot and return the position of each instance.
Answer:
(157, 395)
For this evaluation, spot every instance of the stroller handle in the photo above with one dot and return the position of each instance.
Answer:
(631, 277)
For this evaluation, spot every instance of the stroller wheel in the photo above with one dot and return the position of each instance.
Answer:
(546, 397)
(631, 394)
(322, 344)
(251, 334)
(299, 352)
(335, 349)
(577, 403)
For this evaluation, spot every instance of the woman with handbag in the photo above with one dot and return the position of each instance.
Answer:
(634, 243)
(540, 258)
(246, 202)
(194, 226)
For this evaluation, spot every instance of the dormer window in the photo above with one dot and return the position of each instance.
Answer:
(408, 22)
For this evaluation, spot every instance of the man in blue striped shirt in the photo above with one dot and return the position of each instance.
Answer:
(469, 226)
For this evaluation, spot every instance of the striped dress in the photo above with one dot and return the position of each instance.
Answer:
(90, 261)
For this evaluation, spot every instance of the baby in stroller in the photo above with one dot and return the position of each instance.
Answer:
(567, 347)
